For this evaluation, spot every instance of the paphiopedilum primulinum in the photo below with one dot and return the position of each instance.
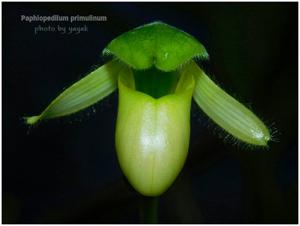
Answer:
(157, 77)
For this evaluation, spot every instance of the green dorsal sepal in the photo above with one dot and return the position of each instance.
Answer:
(155, 44)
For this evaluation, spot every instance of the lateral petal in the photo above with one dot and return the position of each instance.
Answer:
(226, 111)
(82, 94)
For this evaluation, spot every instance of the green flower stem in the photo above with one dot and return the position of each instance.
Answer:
(149, 210)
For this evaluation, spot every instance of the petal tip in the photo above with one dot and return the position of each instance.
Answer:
(32, 119)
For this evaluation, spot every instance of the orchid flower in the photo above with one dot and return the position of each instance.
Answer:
(154, 69)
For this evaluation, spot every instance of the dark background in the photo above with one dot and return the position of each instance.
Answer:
(66, 170)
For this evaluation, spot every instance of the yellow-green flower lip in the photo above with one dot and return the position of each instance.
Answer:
(152, 134)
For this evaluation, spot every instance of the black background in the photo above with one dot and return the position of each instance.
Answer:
(66, 170)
